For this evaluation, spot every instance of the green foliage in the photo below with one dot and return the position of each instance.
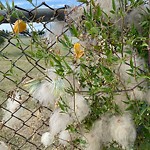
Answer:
(74, 31)
(79, 141)
(96, 71)
(1, 18)
(105, 43)
(113, 5)
(83, 1)
(3, 35)
(63, 106)
(99, 76)
(29, 1)
(2, 40)
(66, 41)
(2, 6)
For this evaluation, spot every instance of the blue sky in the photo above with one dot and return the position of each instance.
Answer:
(25, 4)
(52, 3)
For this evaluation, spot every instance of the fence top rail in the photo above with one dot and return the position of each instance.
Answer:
(34, 15)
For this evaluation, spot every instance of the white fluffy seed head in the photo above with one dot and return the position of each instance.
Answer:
(81, 107)
(47, 139)
(3, 146)
(92, 141)
(64, 137)
(99, 134)
(14, 110)
(101, 128)
(111, 128)
(48, 92)
(123, 131)
(12, 104)
(129, 81)
(59, 121)
(44, 94)
(14, 101)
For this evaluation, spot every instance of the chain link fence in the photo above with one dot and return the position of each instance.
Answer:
(24, 120)
(25, 59)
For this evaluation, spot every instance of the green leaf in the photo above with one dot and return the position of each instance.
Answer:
(74, 30)
(88, 25)
(18, 44)
(2, 6)
(131, 64)
(99, 11)
(7, 74)
(57, 60)
(68, 66)
(61, 106)
(113, 5)
(94, 31)
(71, 128)
(66, 42)
(144, 109)
(13, 4)
(29, 1)
(112, 11)
(83, 1)
(8, 6)
(14, 14)
(130, 107)
(145, 77)
(145, 44)
(1, 18)
(79, 141)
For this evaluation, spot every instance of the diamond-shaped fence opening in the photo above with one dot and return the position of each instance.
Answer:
(23, 119)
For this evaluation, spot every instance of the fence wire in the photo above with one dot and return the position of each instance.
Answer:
(24, 124)
(24, 57)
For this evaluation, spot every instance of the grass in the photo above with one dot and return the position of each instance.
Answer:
(15, 68)
(14, 65)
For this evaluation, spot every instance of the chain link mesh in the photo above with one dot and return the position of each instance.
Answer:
(25, 57)
(24, 131)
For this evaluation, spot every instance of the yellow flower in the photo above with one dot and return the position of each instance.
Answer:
(19, 26)
(78, 51)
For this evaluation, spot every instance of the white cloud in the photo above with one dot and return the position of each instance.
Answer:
(5, 26)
